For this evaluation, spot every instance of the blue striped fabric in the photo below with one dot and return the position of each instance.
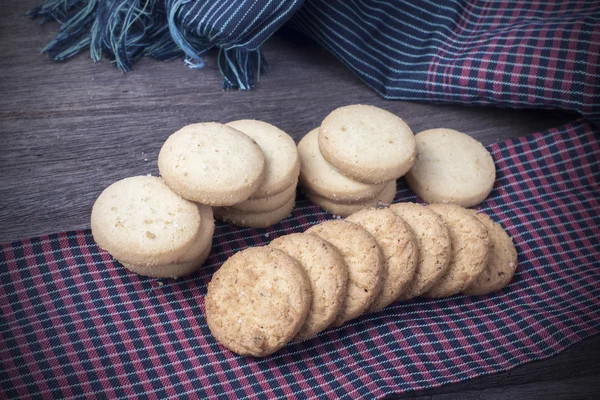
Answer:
(514, 53)
(510, 53)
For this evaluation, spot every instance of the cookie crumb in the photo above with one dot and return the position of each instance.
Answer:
(150, 235)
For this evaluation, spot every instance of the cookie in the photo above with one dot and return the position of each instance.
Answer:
(319, 177)
(502, 260)
(328, 276)
(266, 204)
(451, 167)
(367, 143)
(140, 221)
(255, 220)
(364, 260)
(345, 209)
(205, 234)
(282, 163)
(174, 270)
(433, 243)
(470, 249)
(399, 248)
(212, 164)
(257, 301)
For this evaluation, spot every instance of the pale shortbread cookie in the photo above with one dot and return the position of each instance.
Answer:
(434, 247)
(255, 220)
(399, 247)
(266, 204)
(212, 164)
(140, 221)
(345, 209)
(367, 143)
(257, 301)
(470, 250)
(451, 167)
(502, 260)
(364, 260)
(319, 177)
(328, 276)
(174, 270)
(205, 236)
(282, 163)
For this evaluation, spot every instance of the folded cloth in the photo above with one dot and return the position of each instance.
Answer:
(521, 54)
(75, 323)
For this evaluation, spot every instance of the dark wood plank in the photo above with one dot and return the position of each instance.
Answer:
(70, 129)
(67, 130)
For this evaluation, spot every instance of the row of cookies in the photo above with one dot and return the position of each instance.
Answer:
(300, 284)
(247, 169)
(354, 158)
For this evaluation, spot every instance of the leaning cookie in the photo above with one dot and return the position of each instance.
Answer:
(282, 163)
(399, 247)
(320, 178)
(140, 221)
(502, 261)
(367, 143)
(328, 276)
(257, 301)
(433, 242)
(470, 250)
(255, 220)
(364, 260)
(344, 209)
(212, 164)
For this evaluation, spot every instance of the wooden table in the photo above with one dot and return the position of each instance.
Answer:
(70, 129)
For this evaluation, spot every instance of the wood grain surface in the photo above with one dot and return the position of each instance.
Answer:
(70, 129)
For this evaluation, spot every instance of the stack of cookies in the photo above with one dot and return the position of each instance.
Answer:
(247, 169)
(300, 284)
(150, 229)
(354, 158)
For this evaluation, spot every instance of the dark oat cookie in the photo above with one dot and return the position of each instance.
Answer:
(328, 276)
(364, 260)
(433, 242)
(399, 247)
(470, 250)
(257, 301)
(502, 261)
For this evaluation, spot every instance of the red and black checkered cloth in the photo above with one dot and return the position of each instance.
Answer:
(75, 323)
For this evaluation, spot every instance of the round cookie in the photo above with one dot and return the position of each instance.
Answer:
(266, 204)
(212, 164)
(140, 221)
(257, 301)
(282, 163)
(345, 209)
(399, 248)
(451, 167)
(433, 243)
(364, 260)
(367, 143)
(174, 270)
(328, 276)
(319, 177)
(502, 260)
(255, 220)
(470, 250)
(205, 237)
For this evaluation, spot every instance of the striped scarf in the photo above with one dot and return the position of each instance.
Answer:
(517, 53)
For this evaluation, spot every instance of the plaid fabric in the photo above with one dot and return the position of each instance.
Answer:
(522, 54)
(75, 323)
